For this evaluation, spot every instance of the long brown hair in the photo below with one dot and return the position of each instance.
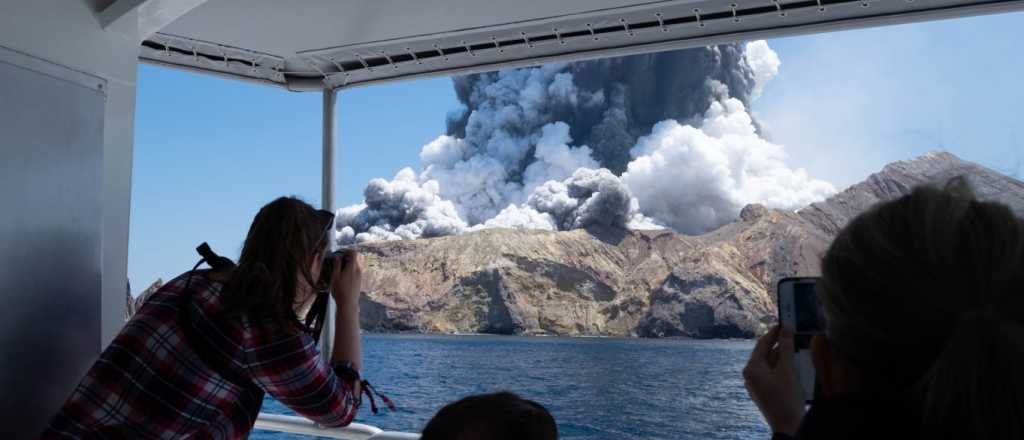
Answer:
(925, 295)
(284, 237)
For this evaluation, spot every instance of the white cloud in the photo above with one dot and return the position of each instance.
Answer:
(516, 166)
(764, 62)
(402, 208)
(476, 172)
(443, 151)
(519, 217)
(696, 179)
(555, 159)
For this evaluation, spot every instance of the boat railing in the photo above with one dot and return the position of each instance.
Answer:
(301, 425)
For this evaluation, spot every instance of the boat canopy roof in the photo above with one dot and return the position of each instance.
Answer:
(318, 44)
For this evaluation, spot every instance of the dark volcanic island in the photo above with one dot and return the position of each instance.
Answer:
(618, 282)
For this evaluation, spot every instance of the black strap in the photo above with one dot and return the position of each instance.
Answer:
(345, 371)
(216, 262)
(316, 315)
(369, 390)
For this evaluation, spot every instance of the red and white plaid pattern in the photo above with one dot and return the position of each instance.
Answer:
(151, 383)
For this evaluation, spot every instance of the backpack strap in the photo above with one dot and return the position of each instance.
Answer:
(216, 262)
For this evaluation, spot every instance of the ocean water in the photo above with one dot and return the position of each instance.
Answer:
(596, 388)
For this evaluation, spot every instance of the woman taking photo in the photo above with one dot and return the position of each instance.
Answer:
(198, 356)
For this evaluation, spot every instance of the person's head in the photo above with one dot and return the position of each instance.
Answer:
(280, 262)
(923, 298)
(498, 416)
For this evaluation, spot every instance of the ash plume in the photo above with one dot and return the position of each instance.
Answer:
(607, 103)
(565, 146)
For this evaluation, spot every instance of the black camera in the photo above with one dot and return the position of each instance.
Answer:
(327, 268)
(318, 311)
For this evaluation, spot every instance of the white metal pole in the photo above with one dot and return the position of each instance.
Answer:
(327, 202)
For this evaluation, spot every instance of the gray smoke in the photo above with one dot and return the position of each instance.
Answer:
(501, 144)
(636, 142)
(587, 198)
(398, 209)
(607, 103)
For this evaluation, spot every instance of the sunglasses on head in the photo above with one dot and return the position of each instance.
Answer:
(326, 219)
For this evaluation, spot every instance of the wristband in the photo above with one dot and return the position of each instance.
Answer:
(346, 371)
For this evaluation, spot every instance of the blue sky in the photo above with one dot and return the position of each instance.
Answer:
(209, 151)
(845, 104)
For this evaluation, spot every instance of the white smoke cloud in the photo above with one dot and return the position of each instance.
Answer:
(519, 217)
(403, 208)
(514, 164)
(555, 159)
(411, 206)
(444, 151)
(476, 172)
(696, 179)
(590, 197)
(764, 62)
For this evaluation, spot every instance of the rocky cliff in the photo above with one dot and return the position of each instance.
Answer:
(899, 178)
(134, 303)
(630, 283)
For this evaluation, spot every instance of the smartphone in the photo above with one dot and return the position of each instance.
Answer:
(800, 313)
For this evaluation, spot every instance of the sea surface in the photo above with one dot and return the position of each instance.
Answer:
(596, 388)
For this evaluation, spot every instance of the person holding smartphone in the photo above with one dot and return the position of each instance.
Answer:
(198, 356)
(922, 336)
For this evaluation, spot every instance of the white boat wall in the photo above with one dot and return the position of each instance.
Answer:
(67, 101)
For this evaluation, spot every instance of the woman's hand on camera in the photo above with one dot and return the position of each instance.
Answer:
(772, 383)
(347, 279)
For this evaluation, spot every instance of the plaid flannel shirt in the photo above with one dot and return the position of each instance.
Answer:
(154, 382)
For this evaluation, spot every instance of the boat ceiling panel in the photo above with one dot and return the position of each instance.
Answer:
(312, 44)
(293, 26)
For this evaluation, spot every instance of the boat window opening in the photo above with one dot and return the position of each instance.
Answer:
(206, 182)
(514, 221)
